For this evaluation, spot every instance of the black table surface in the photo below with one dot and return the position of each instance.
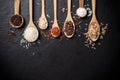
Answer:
(55, 59)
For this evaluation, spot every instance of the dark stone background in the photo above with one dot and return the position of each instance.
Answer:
(59, 60)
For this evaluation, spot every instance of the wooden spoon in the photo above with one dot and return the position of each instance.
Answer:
(81, 11)
(55, 31)
(69, 26)
(16, 21)
(43, 24)
(94, 27)
(31, 33)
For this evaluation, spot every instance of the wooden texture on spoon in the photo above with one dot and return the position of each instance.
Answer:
(43, 9)
(55, 23)
(69, 18)
(31, 25)
(81, 3)
(94, 27)
(17, 6)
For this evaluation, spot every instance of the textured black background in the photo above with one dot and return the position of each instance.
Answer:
(59, 60)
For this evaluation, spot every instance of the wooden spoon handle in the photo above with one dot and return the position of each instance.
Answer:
(81, 3)
(43, 8)
(94, 7)
(55, 11)
(17, 6)
(30, 10)
(69, 7)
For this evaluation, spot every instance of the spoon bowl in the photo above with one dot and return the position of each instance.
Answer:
(31, 33)
(94, 30)
(16, 21)
(43, 24)
(55, 31)
(69, 28)
(81, 12)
